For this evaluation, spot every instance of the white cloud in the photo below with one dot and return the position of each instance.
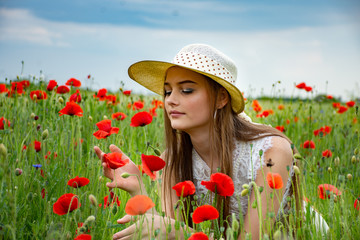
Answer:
(311, 54)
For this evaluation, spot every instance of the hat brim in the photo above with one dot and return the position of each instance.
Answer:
(151, 75)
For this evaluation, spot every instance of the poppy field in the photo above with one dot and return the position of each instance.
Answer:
(52, 182)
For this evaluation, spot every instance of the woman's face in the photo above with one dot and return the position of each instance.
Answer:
(187, 102)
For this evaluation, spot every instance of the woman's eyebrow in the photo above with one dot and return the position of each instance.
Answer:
(182, 82)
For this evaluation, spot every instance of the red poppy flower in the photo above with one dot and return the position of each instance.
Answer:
(43, 193)
(329, 97)
(185, 188)
(308, 88)
(137, 105)
(78, 182)
(204, 213)
(138, 205)
(357, 203)
(113, 199)
(309, 144)
(281, 107)
(114, 160)
(325, 191)
(301, 85)
(51, 85)
(152, 111)
(274, 180)
(3, 88)
(111, 99)
(76, 97)
(73, 82)
(118, 116)
(157, 103)
(280, 128)
(101, 94)
(221, 183)
(105, 129)
(66, 203)
(71, 109)
(327, 153)
(350, 103)
(127, 92)
(141, 119)
(17, 87)
(151, 164)
(198, 236)
(37, 146)
(62, 89)
(336, 105)
(3, 122)
(342, 109)
(256, 106)
(83, 237)
(25, 83)
(40, 95)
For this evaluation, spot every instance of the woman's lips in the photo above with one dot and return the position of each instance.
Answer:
(176, 113)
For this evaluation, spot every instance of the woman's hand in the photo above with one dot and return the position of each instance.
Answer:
(130, 184)
(148, 223)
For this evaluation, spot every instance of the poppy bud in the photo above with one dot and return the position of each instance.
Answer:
(3, 150)
(125, 175)
(157, 151)
(36, 117)
(90, 219)
(356, 151)
(29, 197)
(296, 170)
(337, 161)
(261, 188)
(38, 127)
(177, 225)
(90, 118)
(114, 210)
(353, 159)
(244, 192)
(277, 235)
(61, 100)
(18, 171)
(34, 123)
(105, 117)
(245, 186)
(329, 169)
(235, 223)
(93, 200)
(297, 156)
(168, 228)
(254, 204)
(271, 214)
(45, 134)
(349, 177)
(32, 115)
(34, 97)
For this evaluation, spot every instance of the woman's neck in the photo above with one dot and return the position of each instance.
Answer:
(201, 144)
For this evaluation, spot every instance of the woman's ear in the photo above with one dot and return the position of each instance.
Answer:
(222, 98)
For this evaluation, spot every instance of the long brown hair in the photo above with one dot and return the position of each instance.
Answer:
(225, 126)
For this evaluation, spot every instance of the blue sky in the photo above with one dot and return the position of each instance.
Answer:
(317, 42)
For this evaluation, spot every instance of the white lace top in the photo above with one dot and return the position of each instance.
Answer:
(246, 163)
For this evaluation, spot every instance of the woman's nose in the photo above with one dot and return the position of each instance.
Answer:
(172, 99)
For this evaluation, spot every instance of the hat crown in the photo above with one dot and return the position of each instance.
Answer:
(214, 61)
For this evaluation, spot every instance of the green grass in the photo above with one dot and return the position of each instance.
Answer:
(24, 214)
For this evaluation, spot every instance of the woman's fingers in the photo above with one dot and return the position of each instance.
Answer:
(126, 233)
(98, 152)
(124, 219)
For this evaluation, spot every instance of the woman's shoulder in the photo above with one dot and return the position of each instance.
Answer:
(280, 150)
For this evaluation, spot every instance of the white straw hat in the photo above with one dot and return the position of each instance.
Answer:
(200, 58)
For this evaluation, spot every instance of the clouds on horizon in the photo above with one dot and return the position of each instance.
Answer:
(66, 49)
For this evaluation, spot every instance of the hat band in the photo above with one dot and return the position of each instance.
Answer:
(202, 63)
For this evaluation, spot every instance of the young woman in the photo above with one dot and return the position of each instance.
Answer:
(206, 131)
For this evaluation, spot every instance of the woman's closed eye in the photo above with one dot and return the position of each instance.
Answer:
(184, 91)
